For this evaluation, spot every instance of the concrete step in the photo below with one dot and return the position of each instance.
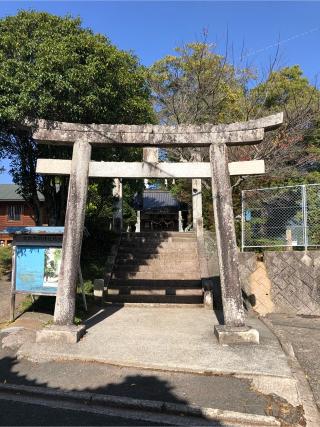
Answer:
(164, 275)
(190, 267)
(155, 299)
(162, 262)
(161, 256)
(156, 268)
(158, 275)
(156, 240)
(149, 247)
(170, 291)
(154, 304)
(159, 234)
(154, 284)
(140, 251)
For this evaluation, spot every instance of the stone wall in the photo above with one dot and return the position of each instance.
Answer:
(287, 282)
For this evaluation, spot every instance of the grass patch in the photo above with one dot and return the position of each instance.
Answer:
(45, 304)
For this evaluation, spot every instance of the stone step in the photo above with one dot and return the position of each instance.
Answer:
(161, 257)
(170, 291)
(159, 234)
(154, 304)
(146, 240)
(190, 267)
(154, 284)
(156, 268)
(164, 275)
(158, 261)
(138, 251)
(155, 299)
(149, 247)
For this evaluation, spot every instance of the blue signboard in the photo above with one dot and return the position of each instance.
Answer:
(37, 269)
(36, 262)
(38, 255)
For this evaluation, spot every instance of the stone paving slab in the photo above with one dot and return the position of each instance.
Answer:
(167, 339)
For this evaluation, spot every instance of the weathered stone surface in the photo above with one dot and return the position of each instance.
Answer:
(226, 237)
(236, 335)
(149, 169)
(73, 232)
(151, 154)
(218, 137)
(42, 128)
(68, 137)
(117, 215)
(196, 202)
(61, 333)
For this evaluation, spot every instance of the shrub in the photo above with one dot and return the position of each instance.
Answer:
(5, 259)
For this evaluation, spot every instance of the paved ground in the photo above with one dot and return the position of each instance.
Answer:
(5, 300)
(254, 393)
(304, 335)
(170, 339)
(223, 392)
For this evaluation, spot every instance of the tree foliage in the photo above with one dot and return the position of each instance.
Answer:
(53, 68)
(197, 85)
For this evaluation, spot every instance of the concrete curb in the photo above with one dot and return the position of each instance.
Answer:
(310, 408)
(61, 357)
(165, 408)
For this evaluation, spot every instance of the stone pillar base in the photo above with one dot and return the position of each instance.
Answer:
(236, 334)
(61, 334)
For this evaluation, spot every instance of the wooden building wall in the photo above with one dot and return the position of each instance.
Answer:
(25, 219)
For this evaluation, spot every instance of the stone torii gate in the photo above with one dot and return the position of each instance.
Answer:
(80, 168)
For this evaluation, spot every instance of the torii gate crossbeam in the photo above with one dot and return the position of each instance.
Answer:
(218, 138)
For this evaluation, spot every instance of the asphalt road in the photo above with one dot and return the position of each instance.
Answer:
(304, 335)
(222, 392)
(15, 413)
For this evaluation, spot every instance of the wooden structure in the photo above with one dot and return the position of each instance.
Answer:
(218, 138)
(159, 211)
(15, 212)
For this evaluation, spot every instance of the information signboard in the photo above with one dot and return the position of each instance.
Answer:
(37, 259)
(37, 269)
(36, 262)
(37, 254)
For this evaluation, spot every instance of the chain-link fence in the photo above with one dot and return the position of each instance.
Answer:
(281, 216)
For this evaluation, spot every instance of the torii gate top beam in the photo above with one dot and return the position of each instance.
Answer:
(241, 133)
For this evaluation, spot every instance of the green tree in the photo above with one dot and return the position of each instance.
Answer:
(53, 68)
(196, 85)
(294, 148)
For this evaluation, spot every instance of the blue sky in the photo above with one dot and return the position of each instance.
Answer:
(152, 29)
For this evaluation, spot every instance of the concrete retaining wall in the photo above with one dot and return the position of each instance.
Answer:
(286, 282)
(282, 281)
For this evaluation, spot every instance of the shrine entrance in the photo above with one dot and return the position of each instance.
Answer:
(159, 210)
(80, 168)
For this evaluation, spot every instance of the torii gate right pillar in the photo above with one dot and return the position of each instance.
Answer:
(234, 329)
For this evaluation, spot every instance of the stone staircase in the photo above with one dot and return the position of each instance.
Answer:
(156, 268)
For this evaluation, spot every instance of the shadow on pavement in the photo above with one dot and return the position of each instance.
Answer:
(146, 387)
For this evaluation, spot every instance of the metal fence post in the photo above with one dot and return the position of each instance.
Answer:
(305, 216)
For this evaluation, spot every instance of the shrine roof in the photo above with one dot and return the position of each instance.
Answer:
(155, 199)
